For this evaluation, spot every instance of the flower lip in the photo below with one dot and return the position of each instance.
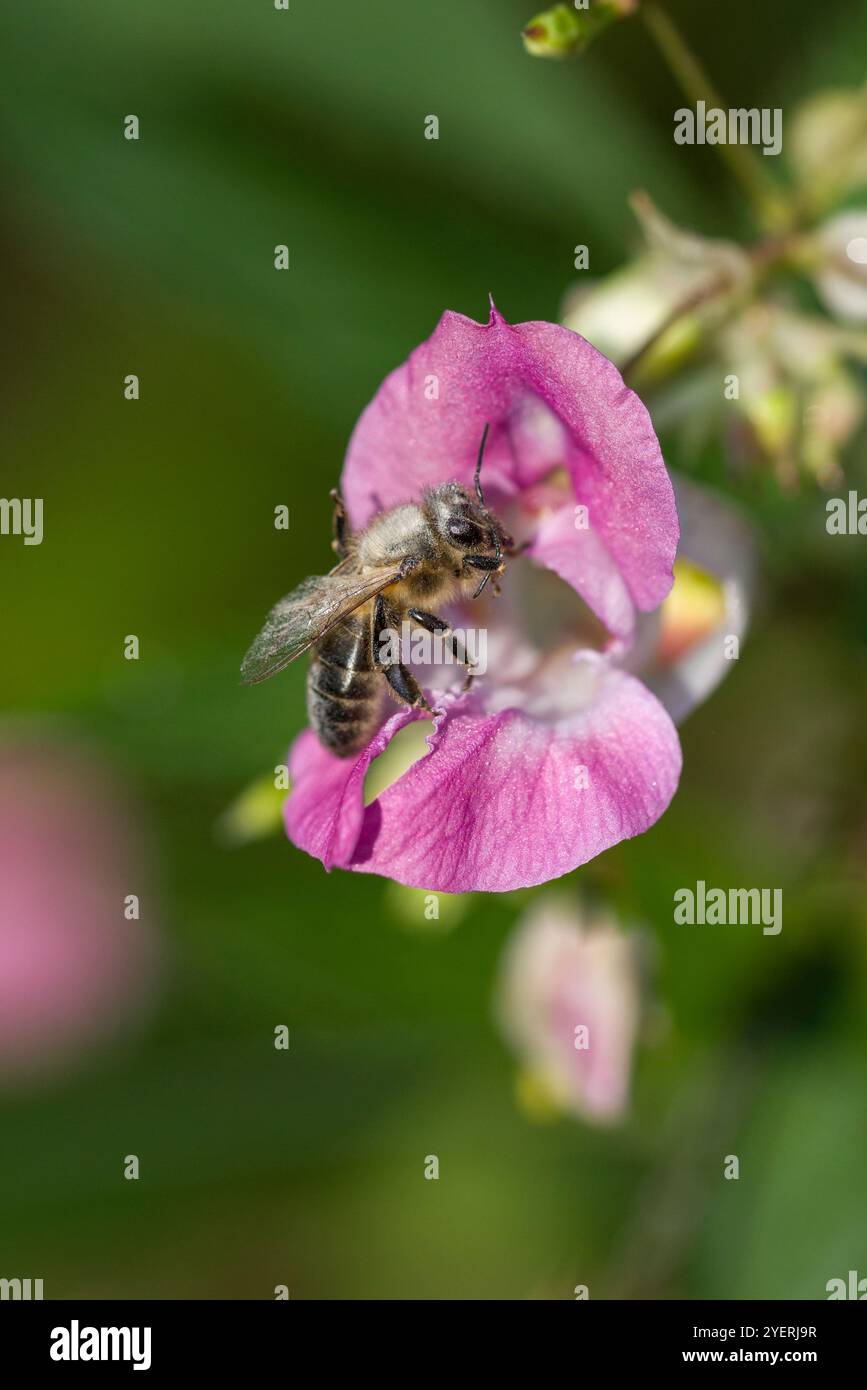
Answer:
(503, 799)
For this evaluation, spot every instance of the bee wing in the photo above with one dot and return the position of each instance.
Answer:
(305, 615)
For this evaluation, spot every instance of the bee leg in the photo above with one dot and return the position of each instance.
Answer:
(380, 626)
(385, 622)
(339, 526)
(455, 645)
(405, 686)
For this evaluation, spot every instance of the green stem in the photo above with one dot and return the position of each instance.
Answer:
(770, 205)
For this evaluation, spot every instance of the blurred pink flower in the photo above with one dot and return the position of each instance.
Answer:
(557, 753)
(73, 969)
(568, 1002)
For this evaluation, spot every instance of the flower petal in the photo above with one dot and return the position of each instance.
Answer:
(502, 800)
(578, 556)
(552, 400)
(683, 666)
(325, 809)
(842, 278)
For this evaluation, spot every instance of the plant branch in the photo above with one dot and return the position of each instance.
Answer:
(769, 203)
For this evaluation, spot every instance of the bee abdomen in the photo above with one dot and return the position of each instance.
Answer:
(344, 691)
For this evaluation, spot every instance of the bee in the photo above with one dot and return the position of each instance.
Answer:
(407, 560)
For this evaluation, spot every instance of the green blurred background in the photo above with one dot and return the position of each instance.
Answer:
(304, 1168)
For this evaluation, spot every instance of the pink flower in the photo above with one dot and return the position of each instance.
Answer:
(73, 969)
(557, 752)
(568, 1002)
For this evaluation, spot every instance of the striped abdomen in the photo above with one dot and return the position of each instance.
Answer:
(344, 691)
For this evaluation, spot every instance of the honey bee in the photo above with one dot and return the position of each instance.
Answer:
(407, 560)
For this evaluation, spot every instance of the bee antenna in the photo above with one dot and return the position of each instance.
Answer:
(495, 539)
(478, 472)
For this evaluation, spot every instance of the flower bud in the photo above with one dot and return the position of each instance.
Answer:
(565, 30)
(569, 1002)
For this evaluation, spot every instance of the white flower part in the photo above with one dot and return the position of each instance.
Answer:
(620, 313)
(826, 145)
(718, 541)
(842, 279)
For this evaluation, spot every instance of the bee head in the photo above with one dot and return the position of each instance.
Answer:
(465, 523)
(458, 520)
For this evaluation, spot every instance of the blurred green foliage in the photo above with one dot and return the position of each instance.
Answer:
(260, 127)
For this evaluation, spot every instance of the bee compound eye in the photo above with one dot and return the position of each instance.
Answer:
(461, 530)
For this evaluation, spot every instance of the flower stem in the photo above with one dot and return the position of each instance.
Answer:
(769, 203)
